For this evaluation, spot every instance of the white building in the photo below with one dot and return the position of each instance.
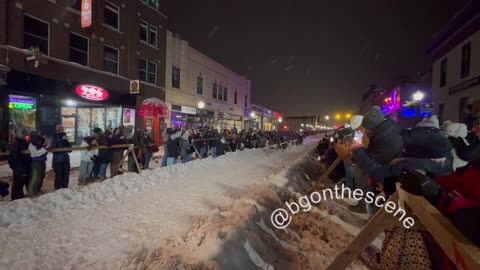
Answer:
(200, 90)
(456, 64)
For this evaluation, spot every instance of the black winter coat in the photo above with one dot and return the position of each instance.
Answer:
(385, 144)
(425, 142)
(466, 152)
(58, 142)
(173, 148)
(16, 160)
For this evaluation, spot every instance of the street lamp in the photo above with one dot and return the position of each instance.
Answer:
(252, 114)
(348, 116)
(201, 105)
(327, 117)
(338, 116)
(418, 96)
(280, 119)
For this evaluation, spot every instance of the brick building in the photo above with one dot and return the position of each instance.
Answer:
(126, 41)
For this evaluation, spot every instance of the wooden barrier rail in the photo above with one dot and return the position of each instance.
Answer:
(458, 248)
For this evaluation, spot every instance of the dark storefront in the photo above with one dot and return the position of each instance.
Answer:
(36, 103)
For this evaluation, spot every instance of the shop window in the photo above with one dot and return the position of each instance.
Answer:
(114, 118)
(69, 116)
(110, 59)
(78, 49)
(83, 122)
(199, 86)
(214, 92)
(220, 92)
(129, 118)
(22, 113)
(152, 73)
(111, 15)
(465, 68)
(225, 94)
(144, 31)
(142, 69)
(235, 97)
(443, 72)
(35, 34)
(76, 4)
(175, 77)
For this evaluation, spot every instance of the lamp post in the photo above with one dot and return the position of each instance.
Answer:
(417, 97)
(201, 105)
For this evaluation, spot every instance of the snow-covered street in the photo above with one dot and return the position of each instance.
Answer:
(96, 226)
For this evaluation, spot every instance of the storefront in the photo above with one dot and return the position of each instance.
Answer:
(229, 121)
(40, 104)
(182, 116)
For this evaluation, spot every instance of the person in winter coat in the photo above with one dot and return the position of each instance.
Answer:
(173, 147)
(150, 149)
(165, 139)
(185, 145)
(21, 166)
(38, 152)
(104, 155)
(385, 142)
(138, 151)
(117, 153)
(87, 159)
(61, 160)
(473, 114)
(464, 142)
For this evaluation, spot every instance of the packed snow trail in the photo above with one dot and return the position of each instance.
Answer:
(96, 226)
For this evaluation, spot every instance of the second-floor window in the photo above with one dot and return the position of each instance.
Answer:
(175, 77)
(214, 92)
(225, 94)
(235, 97)
(465, 68)
(443, 72)
(110, 59)
(199, 86)
(148, 33)
(111, 15)
(147, 71)
(78, 49)
(35, 34)
(220, 92)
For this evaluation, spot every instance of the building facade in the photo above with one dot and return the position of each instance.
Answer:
(201, 91)
(56, 72)
(455, 53)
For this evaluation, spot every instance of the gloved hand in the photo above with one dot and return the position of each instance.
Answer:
(419, 184)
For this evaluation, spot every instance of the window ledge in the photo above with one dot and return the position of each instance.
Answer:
(74, 10)
(111, 28)
(146, 4)
(148, 45)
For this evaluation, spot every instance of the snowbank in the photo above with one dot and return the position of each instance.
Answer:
(98, 226)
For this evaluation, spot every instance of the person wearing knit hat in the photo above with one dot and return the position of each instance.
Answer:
(465, 143)
(356, 121)
(373, 118)
(431, 121)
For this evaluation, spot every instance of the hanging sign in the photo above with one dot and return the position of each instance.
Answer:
(86, 14)
(135, 87)
(91, 92)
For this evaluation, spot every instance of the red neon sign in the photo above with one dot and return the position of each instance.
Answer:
(91, 92)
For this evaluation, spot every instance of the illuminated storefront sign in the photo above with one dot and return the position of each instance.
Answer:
(91, 92)
(392, 102)
(20, 103)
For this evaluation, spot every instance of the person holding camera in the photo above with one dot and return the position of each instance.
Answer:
(87, 159)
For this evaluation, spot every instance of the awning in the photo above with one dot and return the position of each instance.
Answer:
(153, 107)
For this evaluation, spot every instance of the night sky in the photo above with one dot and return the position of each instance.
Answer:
(313, 57)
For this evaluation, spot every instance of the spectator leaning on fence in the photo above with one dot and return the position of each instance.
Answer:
(87, 159)
(61, 160)
(20, 164)
(38, 152)
(117, 153)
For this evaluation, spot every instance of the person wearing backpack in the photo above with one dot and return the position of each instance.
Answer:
(38, 152)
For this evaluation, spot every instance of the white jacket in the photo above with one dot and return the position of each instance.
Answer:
(34, 152)
(86, 155)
